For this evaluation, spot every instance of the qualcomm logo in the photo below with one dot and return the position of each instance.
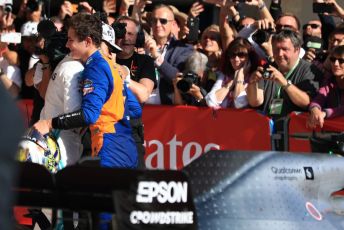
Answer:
(309, 173)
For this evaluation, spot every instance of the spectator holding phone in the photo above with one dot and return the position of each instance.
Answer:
(329, 102)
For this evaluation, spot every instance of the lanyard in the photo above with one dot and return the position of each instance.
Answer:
(278, 90)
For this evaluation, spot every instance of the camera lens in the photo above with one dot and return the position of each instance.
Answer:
(185, 84)
(8, 8)
(266, 74)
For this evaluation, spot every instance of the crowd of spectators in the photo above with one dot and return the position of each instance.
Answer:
(271, 63)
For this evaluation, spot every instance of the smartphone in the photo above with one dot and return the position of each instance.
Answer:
(11, 37)
(321, 7)
(193, 25)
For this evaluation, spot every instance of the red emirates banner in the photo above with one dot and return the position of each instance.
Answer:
(177, 135)
(299, 133)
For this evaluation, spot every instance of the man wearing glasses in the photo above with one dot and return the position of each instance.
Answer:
(290, 86)
(312, 28)
(168, 53)
(288, 21)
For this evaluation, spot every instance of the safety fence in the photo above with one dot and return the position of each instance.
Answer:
(298, 134)
(176, 135)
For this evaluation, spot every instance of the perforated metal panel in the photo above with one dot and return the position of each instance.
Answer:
(267, 190)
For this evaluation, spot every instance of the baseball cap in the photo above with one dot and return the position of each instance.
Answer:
(109, 37)
(29, 29)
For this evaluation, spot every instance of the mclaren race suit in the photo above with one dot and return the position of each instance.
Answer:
(104, 110)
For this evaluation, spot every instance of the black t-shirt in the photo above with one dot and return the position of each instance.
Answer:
(305, 76)
(140, 66)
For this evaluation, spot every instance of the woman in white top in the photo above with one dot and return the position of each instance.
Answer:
(238, 61)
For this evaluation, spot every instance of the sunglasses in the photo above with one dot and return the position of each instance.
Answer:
(163, 21)
(280, 27)
(334, 59)
(215, 38)
(313, 26)
(239, 54)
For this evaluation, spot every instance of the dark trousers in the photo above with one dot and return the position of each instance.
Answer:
(138, 135)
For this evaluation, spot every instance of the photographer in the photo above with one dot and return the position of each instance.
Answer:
(190, 86)
(287, 88)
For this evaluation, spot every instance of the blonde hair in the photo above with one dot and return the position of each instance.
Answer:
(213, 28)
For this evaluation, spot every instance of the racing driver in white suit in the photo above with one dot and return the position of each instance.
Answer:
(63, 96)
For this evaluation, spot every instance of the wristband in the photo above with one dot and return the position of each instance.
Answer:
(261, 6)
(314, 106)
(240, 82)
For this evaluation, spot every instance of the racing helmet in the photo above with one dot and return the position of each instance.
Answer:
(41, 149)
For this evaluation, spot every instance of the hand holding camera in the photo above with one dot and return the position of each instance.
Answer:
(265, 28)
(267, 71)
(270, 73)
(329, 7)
(187, 81)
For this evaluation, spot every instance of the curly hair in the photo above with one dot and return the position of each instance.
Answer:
(87, 25)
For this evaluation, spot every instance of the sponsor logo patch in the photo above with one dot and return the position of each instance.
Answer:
(87, 87)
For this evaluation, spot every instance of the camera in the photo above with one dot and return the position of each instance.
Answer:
(8, 8)
(316, 43)
(54, 41)
(261, 36)
(265, 73)
(189, 78)
(33, 5)
(120, 29)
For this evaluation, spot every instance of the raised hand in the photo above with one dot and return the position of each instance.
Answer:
(196, 9)
(109, 6)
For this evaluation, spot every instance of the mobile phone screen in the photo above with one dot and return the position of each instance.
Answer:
(320, 7)
(193, 25)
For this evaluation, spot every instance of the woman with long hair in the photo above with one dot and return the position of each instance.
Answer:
(238, 61)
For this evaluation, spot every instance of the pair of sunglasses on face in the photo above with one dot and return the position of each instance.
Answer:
(334, 59)
(312, 25)
(238, 54)
(280, 27)
(163, 21)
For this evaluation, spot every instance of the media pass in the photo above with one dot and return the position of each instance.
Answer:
(157, 199)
